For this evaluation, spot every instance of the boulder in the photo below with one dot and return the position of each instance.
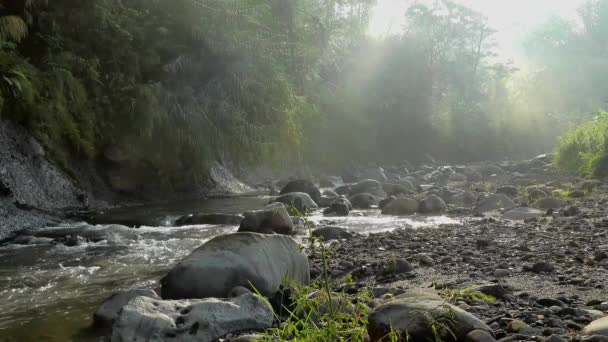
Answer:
(375, 173)
(494, 202)
(401, 206)
(535, 194)
(304, 186)
(368, 186)
(108, 312)
(396, 189)
(339, 207)
(522, 214)
(413, 313)
(386, 202)
(330, 193)
(274, 218)
(240, 259)
(508, 190)
(332, 233)
(464, 199)
(479, 336)
(299, 200)
(150, 320)
(599, 327)
(364, 201)
(432, 205)
(193, 219)
(549, 203)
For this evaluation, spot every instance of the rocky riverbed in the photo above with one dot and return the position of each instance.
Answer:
(500, 251)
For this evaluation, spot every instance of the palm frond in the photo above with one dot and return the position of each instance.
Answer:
(12, 28)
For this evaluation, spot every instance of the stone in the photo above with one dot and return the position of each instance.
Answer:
(108, 312)
(432, 205)
(274, 218)
(598, 327)
(332, 233)
(479, 336)
(410, 313)
(549, 203)
(150, 320)
(494, 202)
(368, 186)
(401, 206)
(364, 201)
(516, 326)
(304, 186)
(542, 267)
(397, 266)
(535, 194)
(386, 201)
(508, 190)
(299, 200)
(339, 207)
(255, 261)
(193, 219)
(522, 213)
(570, 211)
(464, 199)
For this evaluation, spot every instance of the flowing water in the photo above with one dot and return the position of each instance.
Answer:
(49, 291)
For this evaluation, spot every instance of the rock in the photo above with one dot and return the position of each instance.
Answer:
(424, 260)
(299, 200)
(364, 201)
(432, 205)
(479, 336)
(490, 169)
(368, 186)
(395, 189)
(274, 218)
(409, 313)
(330, 193)
(340, 207)
(375, 173)
(570, 211)
(577, 194)
(508, 190)
(464, 199)
(108, 312)
(598, 327)
(588, 185)
(516, 326)
(542, 267)
(401, 206)
(549, 203)
(549, 302)
(502, 273)
(193, 219)
(332, 233)
(494, 202)
(239, 259)
(386, 201)
(457, 177)
(148, 320)
(522, 213)
(304, 186)
(248, 338)
(397, 266)
(536, 194)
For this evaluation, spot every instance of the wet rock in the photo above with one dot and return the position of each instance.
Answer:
(364, 201)
(411, 312)
(386, 201)
(464, 199)
(425, 260)
(368, 186)
(516, 326)
(107, 313)
(522, 213)
(299, 200)
(274, 218)
(304, 186)
(549, 203)
(549, 302)
(432, 205)
(240, 259)
(577, 194)
(541, 267)
(401, 206)
(397, 266)
(375, 173)
(147, 319)
(494, 202)
(339, 207)
(502, 273)
(536, 194)
(570, 211)
(330, 193)
(332, 233)
(395, 189)
(193, 219)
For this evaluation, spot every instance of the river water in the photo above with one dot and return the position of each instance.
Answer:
(48, 292)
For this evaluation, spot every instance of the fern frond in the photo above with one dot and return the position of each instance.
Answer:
(12, 28)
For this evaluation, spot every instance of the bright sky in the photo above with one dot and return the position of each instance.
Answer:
(511, 18)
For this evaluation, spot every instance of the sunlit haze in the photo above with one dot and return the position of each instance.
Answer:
(511, 18)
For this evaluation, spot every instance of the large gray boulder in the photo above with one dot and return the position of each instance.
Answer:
(339, 206)
(240, 259)
(465, 199)
(150, 320)
(432, 205)
(522, 214)
(549, 203)
(414, 312)
(495, 202)
(364, 201)
(108, 312)
(302, 186)
(274, 218)
(229, 219)
(368, 186)
(401, 206)
(299, 200)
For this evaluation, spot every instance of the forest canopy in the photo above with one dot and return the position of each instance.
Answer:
(159, 89)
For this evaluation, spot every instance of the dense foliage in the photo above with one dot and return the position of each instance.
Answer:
(153, 91)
